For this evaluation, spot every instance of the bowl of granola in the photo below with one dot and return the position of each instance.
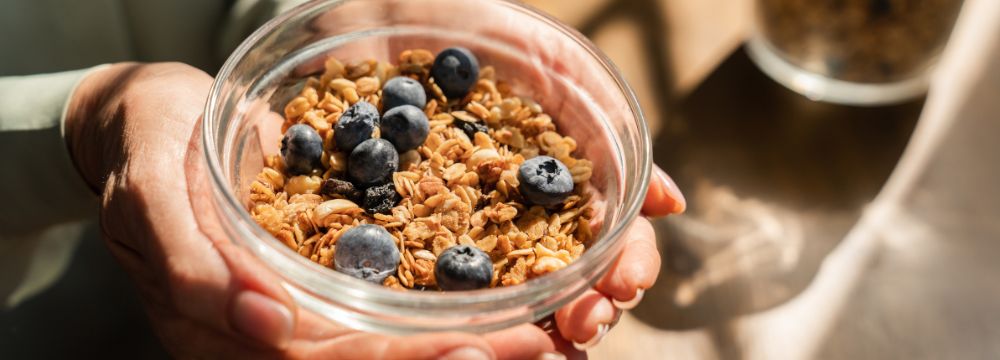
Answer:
(410, 166)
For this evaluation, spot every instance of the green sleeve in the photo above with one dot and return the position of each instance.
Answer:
(39, 185)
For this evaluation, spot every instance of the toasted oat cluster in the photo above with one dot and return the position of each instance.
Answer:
(460, 187)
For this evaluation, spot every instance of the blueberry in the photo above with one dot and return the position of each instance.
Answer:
(302, 149)
(470, 128)
(544, 180)
(463, 267)
(340, 187)
(372, 162)
(406, 127)
(355, 125)
(380, 199)
(366, 252)
(402, 90)
(455, 70)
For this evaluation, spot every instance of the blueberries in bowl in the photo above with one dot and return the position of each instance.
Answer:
(372, 162)
(355, 125)
(405, 126)
(545, 180)
(463, 267)
(367, 252)
(301, 148)
(455, 71)
(402, 90)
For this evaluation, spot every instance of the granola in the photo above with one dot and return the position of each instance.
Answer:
(460, 187)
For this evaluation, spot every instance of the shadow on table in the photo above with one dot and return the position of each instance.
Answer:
(773, 181)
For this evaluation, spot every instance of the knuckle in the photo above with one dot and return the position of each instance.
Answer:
(167, 80)
(641, 234)
(165, 69)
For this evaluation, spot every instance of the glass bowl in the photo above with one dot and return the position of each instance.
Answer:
(572, 80)
(865, 53)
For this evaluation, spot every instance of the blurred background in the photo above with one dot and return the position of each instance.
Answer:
(815, 229)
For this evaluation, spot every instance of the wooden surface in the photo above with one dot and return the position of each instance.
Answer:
(915, 282)
(664, 47)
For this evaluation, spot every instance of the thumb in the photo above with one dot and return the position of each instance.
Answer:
(663, 197)
(253, 303)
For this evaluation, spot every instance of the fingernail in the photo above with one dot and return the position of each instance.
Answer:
(629, 304)
(548, 324)
(466, 353)
(674, 192)
(261, 318)
(618, 317)
(551, 356)
(601, 331)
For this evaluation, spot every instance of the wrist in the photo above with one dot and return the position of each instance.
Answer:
(90, 119)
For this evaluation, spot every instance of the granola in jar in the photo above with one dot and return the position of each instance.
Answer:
(434, 164)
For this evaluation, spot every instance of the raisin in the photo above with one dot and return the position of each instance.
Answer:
(380, 198)
(343, 188)
(471, 128)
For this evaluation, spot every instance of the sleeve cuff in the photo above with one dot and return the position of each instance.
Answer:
(69, 97)
(42, 186)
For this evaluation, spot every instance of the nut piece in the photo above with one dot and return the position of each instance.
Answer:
(303, 184)
(338, 162)
(339, 85)
(546, 265)
(272, 178)
(323, 214)
(367, 85)
(408, 158)
(297, 107)
(482, 156)
(425, 255)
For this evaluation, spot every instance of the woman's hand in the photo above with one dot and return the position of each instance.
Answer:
(588, 318)
(133, 132)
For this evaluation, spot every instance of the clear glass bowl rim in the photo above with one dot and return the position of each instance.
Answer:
(634, 191)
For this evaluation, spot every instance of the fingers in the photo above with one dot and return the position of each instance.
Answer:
(637, 267)
(185, 338)
(663, 197)
(586, 319)
(380, 347)
(521, 342)
(312, 327)
(319, 341)
(564, 349)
